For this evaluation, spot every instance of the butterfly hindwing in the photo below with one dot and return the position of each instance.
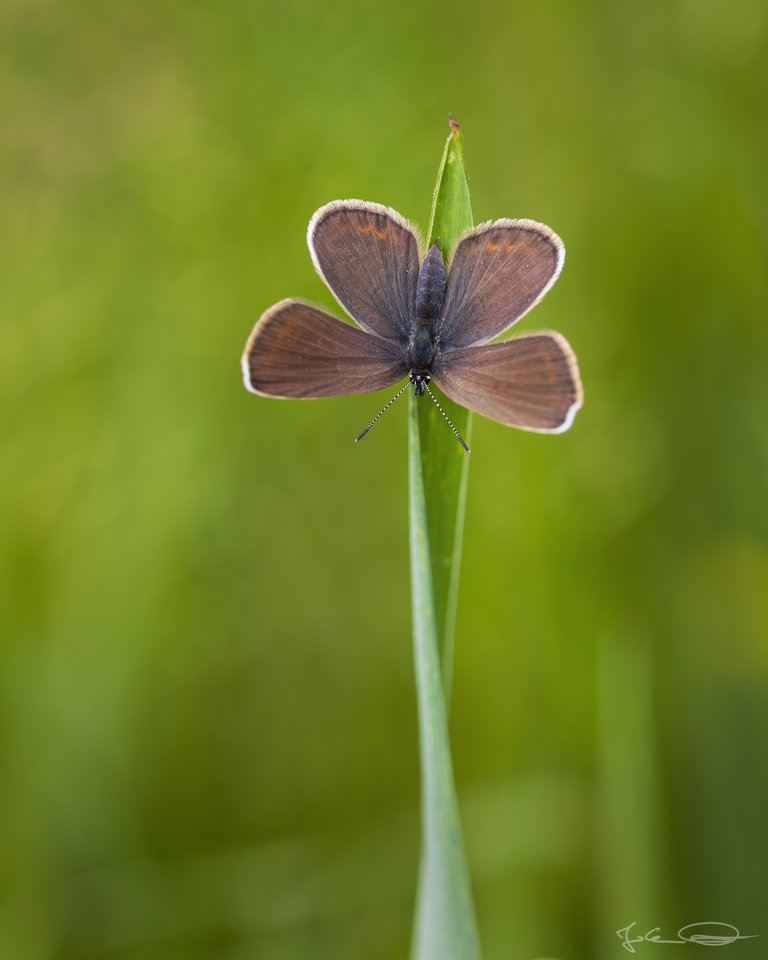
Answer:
(299, 351)
(531, 382)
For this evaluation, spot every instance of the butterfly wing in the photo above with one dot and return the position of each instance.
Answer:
(498, 272)
(529, 382)
(369, 257)
(298, 351)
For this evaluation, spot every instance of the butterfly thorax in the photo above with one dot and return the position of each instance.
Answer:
(430, 293)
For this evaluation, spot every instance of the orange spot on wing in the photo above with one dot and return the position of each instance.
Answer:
(382, 234)
(492, 247)
(511, 247)
(365, 229)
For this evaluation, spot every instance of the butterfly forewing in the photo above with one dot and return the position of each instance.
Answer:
(369, 256)
(528, 382)
(498, 272)
(298, 351)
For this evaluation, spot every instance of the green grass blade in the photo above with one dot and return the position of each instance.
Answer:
(444, 464)
(445, 927)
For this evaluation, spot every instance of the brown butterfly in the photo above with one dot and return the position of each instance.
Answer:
(418, 320)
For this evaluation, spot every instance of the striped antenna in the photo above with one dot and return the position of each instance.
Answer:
(446, 418)
(383, 410)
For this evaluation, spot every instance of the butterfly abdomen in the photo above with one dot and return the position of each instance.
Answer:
(430, 293)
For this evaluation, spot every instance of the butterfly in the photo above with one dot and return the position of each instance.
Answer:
(419, 320)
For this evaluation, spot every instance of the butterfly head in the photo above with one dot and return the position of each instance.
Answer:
(419, 381)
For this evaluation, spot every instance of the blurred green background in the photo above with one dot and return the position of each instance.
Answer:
(207, 718)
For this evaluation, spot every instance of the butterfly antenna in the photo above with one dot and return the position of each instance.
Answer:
(446, 418)
(382, 411)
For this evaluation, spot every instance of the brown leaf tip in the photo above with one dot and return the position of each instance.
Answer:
(454, 125)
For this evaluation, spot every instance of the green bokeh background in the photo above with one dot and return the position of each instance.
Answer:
(207, 715)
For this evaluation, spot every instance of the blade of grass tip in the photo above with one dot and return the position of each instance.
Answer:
(445, 927)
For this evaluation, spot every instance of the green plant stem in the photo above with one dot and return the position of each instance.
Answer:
(445, 927)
